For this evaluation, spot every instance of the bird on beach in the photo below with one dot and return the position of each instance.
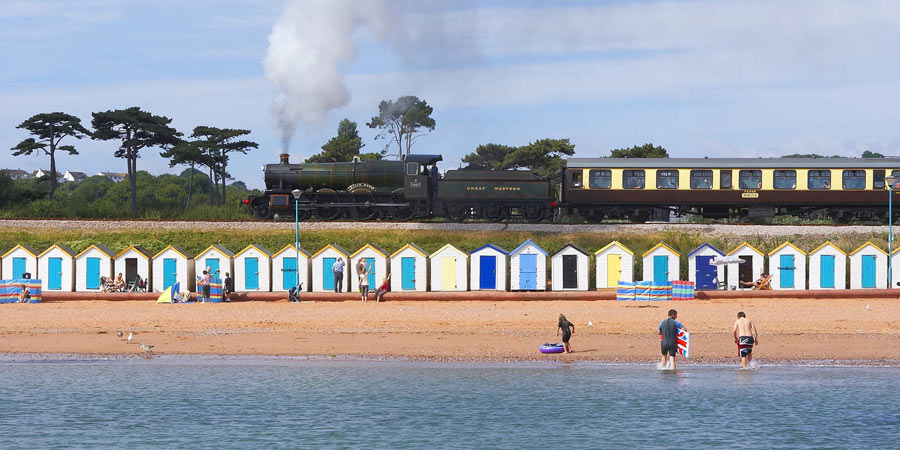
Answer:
(147, 348)
(130, 337)
(590, 324)
(119, 333)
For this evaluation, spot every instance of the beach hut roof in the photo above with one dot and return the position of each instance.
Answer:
(614, 244)
(335, 247)
(291, 248)
(377, 249)
(101, 248)
(493, 246)
(65, 249)
(867, 244)
(827, 244)
(450, 246)
(529, 241)
(25, 247)
(706, 244)
(136, 248)
(413, 247)
(258, 247)
(787, 244)
(663, 245)
(184, 254)
(742, 245)
(222, 250)
(570, 244)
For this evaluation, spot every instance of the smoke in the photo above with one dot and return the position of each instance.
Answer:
(306, 46)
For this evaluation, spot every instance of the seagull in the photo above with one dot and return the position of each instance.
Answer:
(590, 324)
(147, 348)
(130, 337)
(119, 333)
(867, 307)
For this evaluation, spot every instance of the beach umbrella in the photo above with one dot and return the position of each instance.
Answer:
(723, 260)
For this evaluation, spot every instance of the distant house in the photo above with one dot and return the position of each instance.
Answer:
(16, 174)
(46, 173)
(74, 176)
(114, 176)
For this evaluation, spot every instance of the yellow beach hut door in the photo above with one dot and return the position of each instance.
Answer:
(613, 270)
(448, 273)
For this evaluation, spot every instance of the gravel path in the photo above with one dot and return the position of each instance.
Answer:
(711, 229)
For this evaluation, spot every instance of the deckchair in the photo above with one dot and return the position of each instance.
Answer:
(765, 284)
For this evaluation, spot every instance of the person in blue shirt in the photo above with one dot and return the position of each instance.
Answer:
(668, 331)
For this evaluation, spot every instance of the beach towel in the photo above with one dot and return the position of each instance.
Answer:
(10, 290)
(683, 341)
(642, 290)
(625, 291)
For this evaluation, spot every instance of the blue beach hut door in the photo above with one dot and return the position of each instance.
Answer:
(826, 271)
(327, 274)
(251, 275)
(289, 272)
(527, 272)
(786, 279)
(488, 272)
(370, 264)
(169, 272)
(705, 273)
(92, 273)
(54, 278)
(868, 271)
(660, 269)
(18, 267)
(213, 264)
(408, 273)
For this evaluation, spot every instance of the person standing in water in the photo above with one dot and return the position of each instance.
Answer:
(668, 330)
(745, 337)
(568, 329)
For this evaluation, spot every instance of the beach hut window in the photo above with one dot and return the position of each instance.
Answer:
(601, 179)
(725, 179)
(854, 179)
(785, 179)
(701, 179)
(667, 179)
(750, 179)
(633, 179)
(878, 179)
(819, 179)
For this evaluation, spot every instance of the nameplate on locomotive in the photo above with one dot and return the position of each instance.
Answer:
(750, 195)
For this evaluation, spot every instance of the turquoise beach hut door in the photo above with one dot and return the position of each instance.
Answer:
(18, 267)
(786, 279)
(408, 273)
(289, 272)
(660, 269)
(705, 273)
(528, 272)
(54, 278)
(370, 264)
(92, 273)
(213, 264)
(251, 273)
(488, 272)
(327, 274)
(868, 271)
(826, 271)
(170, 273)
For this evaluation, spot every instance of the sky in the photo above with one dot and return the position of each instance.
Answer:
(700, 78)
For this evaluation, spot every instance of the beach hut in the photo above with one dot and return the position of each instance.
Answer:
(449, 269)
(321, 262)
(569, 269)
(868, 267)
(253, 269)
(750, 269)
(700, 271)
(56, 265)
(173, 265)
(19, 260)
(219, 259)
(133, 262)
(895, 268)
(376, 259)
(661, 264)
(489, 268)
(787, 265)
(614, 263)
(528, 267)
(827, 267)
(91, 264)
(286, 268)
(409, 266)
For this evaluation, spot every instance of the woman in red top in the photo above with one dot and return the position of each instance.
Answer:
(382, 288)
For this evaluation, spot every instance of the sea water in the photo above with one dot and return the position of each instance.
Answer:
(278, 403)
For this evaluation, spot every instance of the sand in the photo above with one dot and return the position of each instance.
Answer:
(791, 330)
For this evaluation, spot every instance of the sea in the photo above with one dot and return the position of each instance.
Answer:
(224, 403)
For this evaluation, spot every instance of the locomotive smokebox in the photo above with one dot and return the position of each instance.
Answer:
(284, 158)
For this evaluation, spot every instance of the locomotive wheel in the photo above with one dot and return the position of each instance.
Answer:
(305, 214)
(365, 212)
(455, 212)
(494, 212)
(400, 212)
(324, 210)
(533, 212)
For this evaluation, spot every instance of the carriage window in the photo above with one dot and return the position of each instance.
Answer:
(601, 179)
(854, 179)
(412, 169)
(750, 179)
(667, 179)
(725, 179)
(877, 179)
(633, 179)
(785, 179)
(701, 179)
(576, 179)
(819, 179)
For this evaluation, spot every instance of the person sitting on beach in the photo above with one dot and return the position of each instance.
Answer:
(24, 294)
(756, 284)
(568, 329)
(119, 285)
(382, 288)
(668, 330)
(745, 337)
(364, 283)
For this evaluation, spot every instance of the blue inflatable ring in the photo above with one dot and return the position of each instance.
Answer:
(552, 348)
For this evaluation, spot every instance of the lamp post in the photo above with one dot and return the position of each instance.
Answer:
(296, 193)
(889, 181)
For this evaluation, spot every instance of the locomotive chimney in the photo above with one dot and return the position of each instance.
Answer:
(284, 158)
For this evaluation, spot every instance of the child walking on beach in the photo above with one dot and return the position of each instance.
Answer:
(568, 329)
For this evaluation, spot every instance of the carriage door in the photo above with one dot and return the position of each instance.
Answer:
(448, 273)
(54, 277)
(488, 272)
(868, 271)
(613, 269)
(327, 274)
(570, 271)
(660, 269)
(408, 273)
(786, 277)
(826, 271)
(528, 272)
(705, 273)
(92, 273)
